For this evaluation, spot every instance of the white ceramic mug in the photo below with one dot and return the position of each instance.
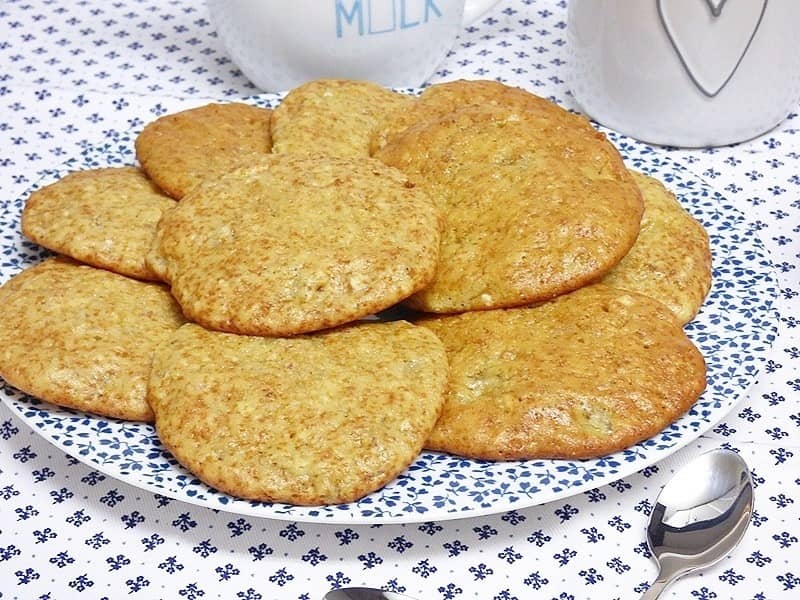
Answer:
(687, 73)
(398, 43)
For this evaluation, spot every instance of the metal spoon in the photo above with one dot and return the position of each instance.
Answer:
(700, 516)
(362, 593)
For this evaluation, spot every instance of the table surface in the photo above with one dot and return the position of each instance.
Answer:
(73, 73)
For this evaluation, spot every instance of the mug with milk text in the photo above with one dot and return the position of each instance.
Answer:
(688, 73)
(280, 44)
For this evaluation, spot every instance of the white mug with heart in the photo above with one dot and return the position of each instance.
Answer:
(279, 44)
(689, 73)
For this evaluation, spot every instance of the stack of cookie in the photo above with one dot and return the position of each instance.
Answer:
(304, 298)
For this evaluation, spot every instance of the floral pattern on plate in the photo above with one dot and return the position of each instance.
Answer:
(735, 327)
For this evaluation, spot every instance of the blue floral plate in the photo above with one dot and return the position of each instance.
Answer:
(734, 328)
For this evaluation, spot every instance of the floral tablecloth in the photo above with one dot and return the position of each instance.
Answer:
(75, 74)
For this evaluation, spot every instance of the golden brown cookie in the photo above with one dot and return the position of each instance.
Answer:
(82, 337)
(335, 117)
(103, 217)
(671, 259)
(295, 244)
(583, 375)
(318, 419)
(180, 150)
(442, 98)
(535, 203)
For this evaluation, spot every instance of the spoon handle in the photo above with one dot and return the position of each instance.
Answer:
(658, 586)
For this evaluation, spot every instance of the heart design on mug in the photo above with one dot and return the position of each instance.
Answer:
(711, 37)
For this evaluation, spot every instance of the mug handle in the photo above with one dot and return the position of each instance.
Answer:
(474, 9)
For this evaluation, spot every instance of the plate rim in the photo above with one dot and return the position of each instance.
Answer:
(17, 401)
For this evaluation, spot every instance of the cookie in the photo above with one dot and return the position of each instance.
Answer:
(319, 419)
(581, 376)
(180, 150)
(104, 217)
(295, 244)
(335, 117)
(440, 99)
(82, 337)
(671, 259)
(535, 204)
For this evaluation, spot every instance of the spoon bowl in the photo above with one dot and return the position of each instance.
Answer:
(362, 593)
(700, 516)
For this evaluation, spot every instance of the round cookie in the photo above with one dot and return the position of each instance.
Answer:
(335, 117)
(671, 259)
(583, 375)
(535, 204)
(180, 150)
(82, 337)
(318, 419)
(439, 99)
(295, 244)
(104, 217)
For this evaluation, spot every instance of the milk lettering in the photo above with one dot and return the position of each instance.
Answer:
(371, 17)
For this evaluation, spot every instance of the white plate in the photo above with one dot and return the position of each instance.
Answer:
(736, 325)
